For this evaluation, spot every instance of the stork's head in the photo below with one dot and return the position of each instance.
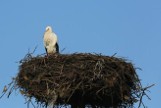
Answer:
(48, 28)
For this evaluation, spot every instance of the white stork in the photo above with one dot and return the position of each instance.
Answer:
(50, 41)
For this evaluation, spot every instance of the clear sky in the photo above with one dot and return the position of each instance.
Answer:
(130, 28)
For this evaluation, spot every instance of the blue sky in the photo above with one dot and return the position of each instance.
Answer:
(130, 28)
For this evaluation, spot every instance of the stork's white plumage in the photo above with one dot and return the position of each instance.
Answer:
(50, 41)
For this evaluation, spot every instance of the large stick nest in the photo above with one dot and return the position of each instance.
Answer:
(79, 79)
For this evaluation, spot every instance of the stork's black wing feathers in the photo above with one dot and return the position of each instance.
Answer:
(46, 50)
(57, 48)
